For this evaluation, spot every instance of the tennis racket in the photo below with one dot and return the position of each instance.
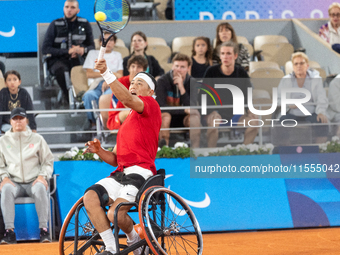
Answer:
(117, 16)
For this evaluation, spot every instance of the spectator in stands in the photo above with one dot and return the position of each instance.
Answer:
(169, 13)
(97, 84)
(173, 89)
(201, 56)
(330, 32)
(333, 110)
(139, 45)
(67, 40)
(2, 68)
(303, 77)
(2, 224)
(224, 33)
(229, 69)
(26, 175)
(13, 96)
(135, 65)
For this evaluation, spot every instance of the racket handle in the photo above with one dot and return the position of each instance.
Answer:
(101, 52)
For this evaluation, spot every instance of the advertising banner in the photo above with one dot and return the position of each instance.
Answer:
(18, 21)
(261, 9)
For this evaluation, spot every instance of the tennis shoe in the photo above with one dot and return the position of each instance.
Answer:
(9, 237)
(139, 250)
(44, 236)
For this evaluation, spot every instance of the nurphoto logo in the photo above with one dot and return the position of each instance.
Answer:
(238, 105)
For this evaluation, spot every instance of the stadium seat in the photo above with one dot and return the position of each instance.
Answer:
(255, 65)
(186, 49)
(166, 66)
(161, 52)
(79, 79)
(123, 50)
(266, 79)
(119, 47)
(277, 52)
(160, 9)
(260, 40)
(273, 48)
(245, 42)
(156, 41)
(2, 83)
(178, 42)
(242, 39)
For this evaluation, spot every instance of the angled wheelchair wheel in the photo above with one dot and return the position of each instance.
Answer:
(78, 235)
(168, 223)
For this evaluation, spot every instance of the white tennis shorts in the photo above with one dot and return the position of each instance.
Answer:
(128, 192)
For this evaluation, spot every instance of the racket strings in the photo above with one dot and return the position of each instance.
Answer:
(117, 14)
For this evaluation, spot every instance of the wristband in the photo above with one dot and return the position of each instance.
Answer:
(108, 76)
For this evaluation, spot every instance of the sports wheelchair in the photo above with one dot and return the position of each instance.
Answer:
(168, 224)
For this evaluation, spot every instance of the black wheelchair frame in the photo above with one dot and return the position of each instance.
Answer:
(169, 226)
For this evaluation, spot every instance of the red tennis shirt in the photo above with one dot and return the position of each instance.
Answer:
(137, 138)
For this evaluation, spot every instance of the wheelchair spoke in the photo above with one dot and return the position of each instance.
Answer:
(78, 235)
(174, 223)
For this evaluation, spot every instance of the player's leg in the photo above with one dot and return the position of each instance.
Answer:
(193, 120)
(212, 133)
(125, 223)
(250, 132)
(95, 199)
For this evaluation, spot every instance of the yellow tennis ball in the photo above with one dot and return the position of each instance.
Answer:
(100, 16)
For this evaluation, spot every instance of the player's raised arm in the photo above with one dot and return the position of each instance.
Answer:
(140, 86)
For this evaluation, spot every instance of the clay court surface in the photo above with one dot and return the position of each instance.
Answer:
(307, 242)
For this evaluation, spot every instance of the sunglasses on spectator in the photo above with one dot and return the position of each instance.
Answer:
(299, 63)
(333, 15)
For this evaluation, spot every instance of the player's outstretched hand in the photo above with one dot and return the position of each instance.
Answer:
(100, 64)
(93, 146)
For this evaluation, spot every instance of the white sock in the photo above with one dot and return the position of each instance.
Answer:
(132, 235)
(109, 240)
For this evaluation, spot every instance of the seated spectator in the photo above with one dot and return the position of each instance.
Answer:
(97, 84)
(333, 110)
(67, 53)
(303, 77)
(135, 65)
(169, 10)
(224, 33)
(26, 175)
(201, 56)
(173, 89)
(2, 69)
(330, 32)
(14, 96)
(2, 224)
(139, 45)
(229, 69)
